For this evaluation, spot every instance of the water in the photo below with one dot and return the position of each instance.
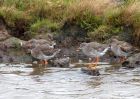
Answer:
(26, 82)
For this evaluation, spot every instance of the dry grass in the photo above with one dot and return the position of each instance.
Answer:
(11, 15)
(96, 7)
(131, 16)
(96, 16)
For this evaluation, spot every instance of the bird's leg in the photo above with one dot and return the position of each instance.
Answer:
(46, 62)
(122, 59)
(97, 60)
(93, 66)
(95, 63)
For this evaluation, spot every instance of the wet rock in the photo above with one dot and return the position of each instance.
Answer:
(61, 62)
(10, 51)
(132, 62)
(94, 72)
(15, 56)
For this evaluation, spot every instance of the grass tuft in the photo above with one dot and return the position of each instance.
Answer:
(44, 26)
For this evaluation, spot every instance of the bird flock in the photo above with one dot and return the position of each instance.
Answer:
(94, 50)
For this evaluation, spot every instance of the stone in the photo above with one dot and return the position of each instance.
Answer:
(4, 35)
(33, 43)
(60, 62)
(94, 72)
(12, 42)
(132, 62)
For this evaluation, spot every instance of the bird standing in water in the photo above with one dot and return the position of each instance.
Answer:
(38, 54)
(37, 48)
(121, 49)
(94, 50)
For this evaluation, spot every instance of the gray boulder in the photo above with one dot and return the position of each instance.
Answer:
(61, 62)
(132, 62)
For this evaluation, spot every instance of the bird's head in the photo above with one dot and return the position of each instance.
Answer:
(53, 45)
(109, 47)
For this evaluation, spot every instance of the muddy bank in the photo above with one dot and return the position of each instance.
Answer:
(68, 40)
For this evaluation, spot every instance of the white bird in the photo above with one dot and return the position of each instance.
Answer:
(94, 50)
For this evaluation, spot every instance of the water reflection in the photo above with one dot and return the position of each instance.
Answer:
(39, 82)
(38, 70)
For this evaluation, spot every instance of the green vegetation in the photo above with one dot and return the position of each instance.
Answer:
(100, 18)
(46, 24)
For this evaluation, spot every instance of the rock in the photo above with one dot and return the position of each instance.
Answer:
(46, 36)
(10, 51)
(94, 72)
(41, 43)
(3, 47)
(4, 35)
(12, 42)
(31, 43)
(61, 62)
(132, 62)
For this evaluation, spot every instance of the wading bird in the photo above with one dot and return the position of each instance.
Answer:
(38, 54)
(94, 50)
(119, 51)
(122, 49)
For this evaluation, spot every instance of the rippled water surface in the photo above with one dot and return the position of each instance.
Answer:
(26, 82)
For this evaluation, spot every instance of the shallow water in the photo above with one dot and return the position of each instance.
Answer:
(26, 82)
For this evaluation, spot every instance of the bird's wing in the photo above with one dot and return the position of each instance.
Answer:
(123, 49)
(93, 52)
(97, 46)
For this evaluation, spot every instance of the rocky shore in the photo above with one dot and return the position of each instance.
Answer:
(11, 50)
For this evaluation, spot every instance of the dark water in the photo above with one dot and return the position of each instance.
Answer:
(26, 82)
